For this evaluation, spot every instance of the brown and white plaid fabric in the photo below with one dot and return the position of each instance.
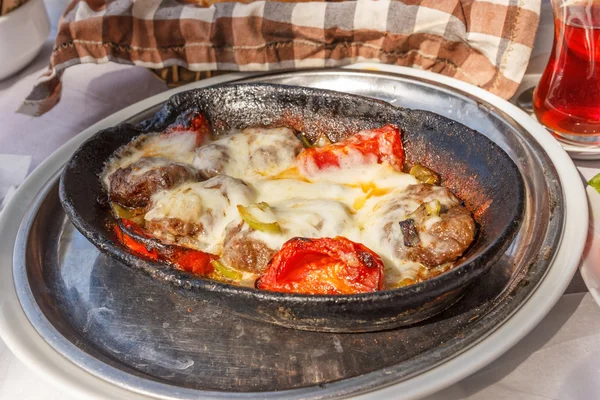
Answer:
(483, 42)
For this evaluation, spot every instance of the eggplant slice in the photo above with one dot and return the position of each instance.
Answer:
(477, 170)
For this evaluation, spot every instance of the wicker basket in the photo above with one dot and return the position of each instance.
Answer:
(177, 76)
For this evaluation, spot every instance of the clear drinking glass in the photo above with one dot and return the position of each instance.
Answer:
(567, 98)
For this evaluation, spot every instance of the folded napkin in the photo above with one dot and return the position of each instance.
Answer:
(483, 42)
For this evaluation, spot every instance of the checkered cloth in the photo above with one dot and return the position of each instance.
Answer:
(483, 42)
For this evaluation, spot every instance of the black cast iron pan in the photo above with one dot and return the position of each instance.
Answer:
(471, 165)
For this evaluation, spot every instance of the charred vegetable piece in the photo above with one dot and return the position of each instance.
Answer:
(125, 213)
(305, 142)
(194, 121)
(409, 233)
(425, 175)
(251, 215)
(225, 271)
(381, 145)
(323, 266)
(132, 244)
(409, 230)
(322, 140)
(403, 283)
(194, 261)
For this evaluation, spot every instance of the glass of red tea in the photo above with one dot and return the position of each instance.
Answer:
(567, 98)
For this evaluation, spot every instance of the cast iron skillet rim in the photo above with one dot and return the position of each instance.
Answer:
(143, 125)
(449, 280)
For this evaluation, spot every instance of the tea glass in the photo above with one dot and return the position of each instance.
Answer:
(567, 98)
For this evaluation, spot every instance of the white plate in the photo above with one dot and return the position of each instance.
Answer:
(590, 267)
(24, 341)
(578, 152)
(582, 152)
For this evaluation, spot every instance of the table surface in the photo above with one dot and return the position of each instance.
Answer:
(557, 360)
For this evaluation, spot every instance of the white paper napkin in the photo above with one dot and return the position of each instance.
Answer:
(13, 170)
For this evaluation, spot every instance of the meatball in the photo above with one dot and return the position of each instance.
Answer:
(411, 231)
(245, 253)
(254, 151)
(211, 159)
(444, 241)
(197, 214)
(133, 185)
(173, 227)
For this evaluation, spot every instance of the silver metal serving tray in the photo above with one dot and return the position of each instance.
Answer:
(138, 334)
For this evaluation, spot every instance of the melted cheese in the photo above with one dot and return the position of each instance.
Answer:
(309, 218)
(254, 152)
(361, 202)
(352, 157)
(211, 205)
(380, 230)
(277, 190)
(379, 177)
(176, 146)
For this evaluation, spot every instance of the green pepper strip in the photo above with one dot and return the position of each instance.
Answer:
(433, 208)
(595, 182)
(426, 210)
(425, 175)
(124, 213)
(225, 271)
(304, 140)
(269, 227)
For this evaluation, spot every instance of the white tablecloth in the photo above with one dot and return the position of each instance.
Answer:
(560, 359)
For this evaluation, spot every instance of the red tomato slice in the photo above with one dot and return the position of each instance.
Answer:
(323, 266)
(197, 124)
(194, 261)
(201, 126)
(133, 245)
(365, 147)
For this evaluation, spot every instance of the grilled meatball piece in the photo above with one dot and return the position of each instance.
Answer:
(448, 239)
(173, 227)
(254, 151)
(430, 240)
(211, 159)
(245, 253)
(133, 185)
(197, 214)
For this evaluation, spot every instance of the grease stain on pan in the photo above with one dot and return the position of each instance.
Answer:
(337, 344)
(153, 356)
(92, 316)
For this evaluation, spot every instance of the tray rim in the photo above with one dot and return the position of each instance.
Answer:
(556, 151)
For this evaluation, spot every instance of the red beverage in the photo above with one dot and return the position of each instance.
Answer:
(567, 99)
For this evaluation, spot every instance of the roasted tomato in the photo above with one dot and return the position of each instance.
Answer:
(365, 147)
(194, 261)
(323, 266)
